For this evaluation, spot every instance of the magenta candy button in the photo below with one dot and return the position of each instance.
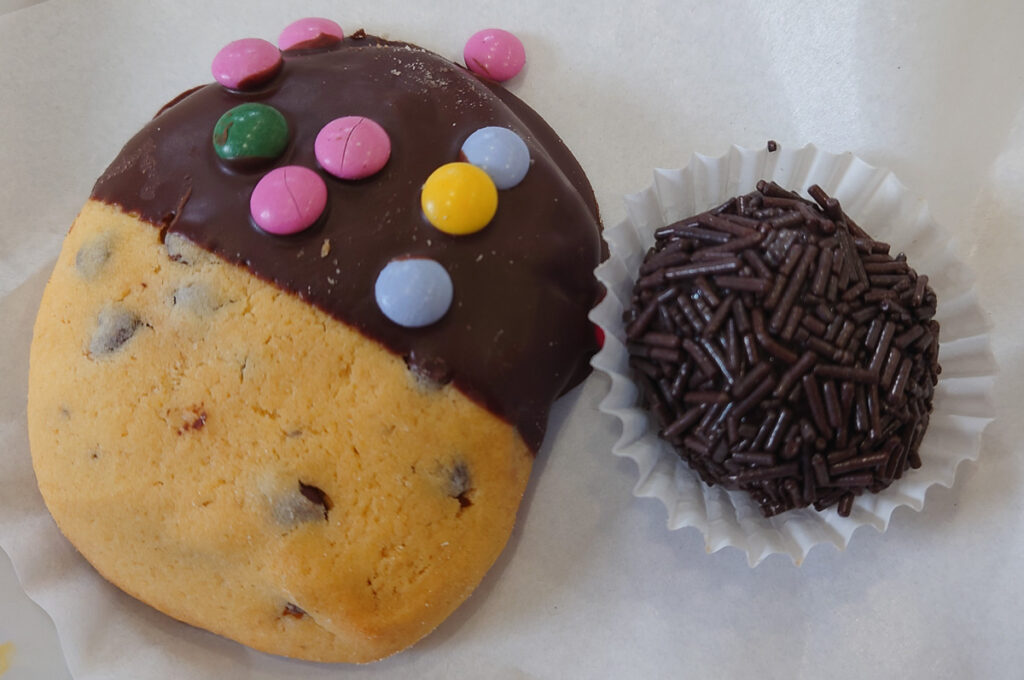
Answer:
(495, 54)
(287, 200)
(247, 63)
(310, 33)
(352, 147)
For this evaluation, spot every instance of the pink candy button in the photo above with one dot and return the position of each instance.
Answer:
(246, 64)
(310, 33)
(287, 200)
(352, 147)
(495, 54)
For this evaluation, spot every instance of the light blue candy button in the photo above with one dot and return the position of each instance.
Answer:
(500, 153)
(413, 292)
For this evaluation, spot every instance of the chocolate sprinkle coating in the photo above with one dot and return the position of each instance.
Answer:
(800, 357)
(516, 335)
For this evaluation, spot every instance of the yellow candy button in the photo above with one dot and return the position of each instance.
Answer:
(459, 198)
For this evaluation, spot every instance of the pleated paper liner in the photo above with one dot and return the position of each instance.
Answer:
(877, 201)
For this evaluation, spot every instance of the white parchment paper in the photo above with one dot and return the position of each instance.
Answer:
(592, 584)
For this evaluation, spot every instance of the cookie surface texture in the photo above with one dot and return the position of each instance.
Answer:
(228, 428)
(175, 429)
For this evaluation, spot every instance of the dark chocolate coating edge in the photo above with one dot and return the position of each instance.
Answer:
(516, 336)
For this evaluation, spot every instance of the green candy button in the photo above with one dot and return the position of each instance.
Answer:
(250, 132)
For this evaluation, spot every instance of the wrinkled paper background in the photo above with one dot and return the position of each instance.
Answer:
(592, 584)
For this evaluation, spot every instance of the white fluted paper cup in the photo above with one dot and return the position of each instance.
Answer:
(877, 201)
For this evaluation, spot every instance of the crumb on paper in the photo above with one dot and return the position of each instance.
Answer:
(6, 653)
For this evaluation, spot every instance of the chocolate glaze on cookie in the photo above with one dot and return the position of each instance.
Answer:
(516, 335)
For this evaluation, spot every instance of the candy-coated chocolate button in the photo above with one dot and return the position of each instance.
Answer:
(287, 200)
(352, 147)
(250, 132)
(459, 198)
(310, 33)
(495, 54)
(246, 64)
(499, 152)
(413, 292)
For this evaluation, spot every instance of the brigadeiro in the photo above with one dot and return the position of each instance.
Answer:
(783, 351)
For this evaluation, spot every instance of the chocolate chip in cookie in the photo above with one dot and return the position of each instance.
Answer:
(115, 325)
(306, 504)
(92, 257)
